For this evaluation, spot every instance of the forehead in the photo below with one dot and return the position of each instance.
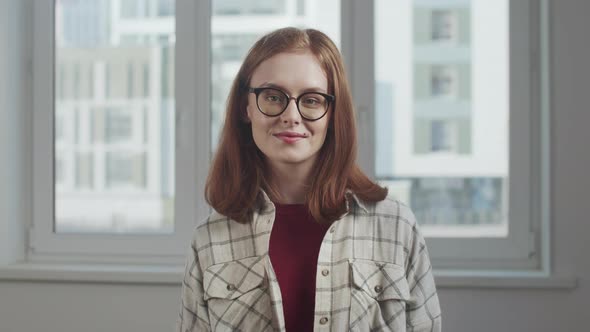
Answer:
(292, 71)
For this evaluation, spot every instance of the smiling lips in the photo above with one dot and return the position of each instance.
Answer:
(289, 136)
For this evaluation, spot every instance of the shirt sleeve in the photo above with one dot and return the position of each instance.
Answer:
(423, 309)
(193, 312)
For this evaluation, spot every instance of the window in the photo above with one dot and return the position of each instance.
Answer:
(443, 82)
(256, 7)
(130, 79)
(448, 139)
(113, 167)
(59, 127)
(300, 7)
(111, 157)
(59, 170)
(107, 79)
(133, 8)
(84, 170)
(166, 8)
(442, 136)
(443, 25)
(146, 80)
(124, 169)
(76, 81)
(118, 125)
(129, 154)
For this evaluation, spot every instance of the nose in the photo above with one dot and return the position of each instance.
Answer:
(291, 114)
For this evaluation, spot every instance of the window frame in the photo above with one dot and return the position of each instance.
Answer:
(526, 245)
(44, 245)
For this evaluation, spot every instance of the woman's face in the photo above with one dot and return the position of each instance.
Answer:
(289, 138)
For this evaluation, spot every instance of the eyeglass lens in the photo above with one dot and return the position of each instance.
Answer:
(311, 105)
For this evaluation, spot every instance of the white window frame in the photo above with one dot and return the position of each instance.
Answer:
(192, 140)
(527, 245)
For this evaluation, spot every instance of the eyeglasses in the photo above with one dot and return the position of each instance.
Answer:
(273, 102)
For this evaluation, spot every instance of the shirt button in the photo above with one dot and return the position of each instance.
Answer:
(230, 287)
(332, 229)
(378, 289)
(323, 320)
(268, 221)
(325, 272)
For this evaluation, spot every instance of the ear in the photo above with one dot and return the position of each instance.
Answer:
(245, 115)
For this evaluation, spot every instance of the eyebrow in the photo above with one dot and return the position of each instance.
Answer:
(282, 88)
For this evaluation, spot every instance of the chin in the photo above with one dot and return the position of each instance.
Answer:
(290, 159)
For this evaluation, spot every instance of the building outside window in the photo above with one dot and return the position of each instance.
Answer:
(444, 25)
(118, 125)
(442, 136)
(444, 82)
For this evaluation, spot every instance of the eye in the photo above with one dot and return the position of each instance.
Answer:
(273, 98)
(313, 101)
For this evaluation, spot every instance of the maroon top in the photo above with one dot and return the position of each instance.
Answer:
(294, 247)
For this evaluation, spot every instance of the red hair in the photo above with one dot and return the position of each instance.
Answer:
(238, 170)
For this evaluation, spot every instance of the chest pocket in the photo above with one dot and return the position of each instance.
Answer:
(237, 295)
(378, 296)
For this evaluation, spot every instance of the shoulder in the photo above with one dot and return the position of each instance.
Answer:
(215, 222)
(389, 225)
(217, 228)
(218, 239)
(390, 209)
(391, 216)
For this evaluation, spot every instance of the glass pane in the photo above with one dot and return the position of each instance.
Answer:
(236, 25)
(114, 116)
(441, 120)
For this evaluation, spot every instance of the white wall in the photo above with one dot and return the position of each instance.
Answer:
(65, 307)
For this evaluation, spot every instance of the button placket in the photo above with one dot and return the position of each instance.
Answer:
(323, 302)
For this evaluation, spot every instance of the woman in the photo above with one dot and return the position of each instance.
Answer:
(301, 239)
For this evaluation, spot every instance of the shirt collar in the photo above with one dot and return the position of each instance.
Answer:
(351, 196)
(351, 199)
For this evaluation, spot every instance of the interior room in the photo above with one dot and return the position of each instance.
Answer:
(118, 211)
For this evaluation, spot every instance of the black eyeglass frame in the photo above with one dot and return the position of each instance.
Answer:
(329, 99)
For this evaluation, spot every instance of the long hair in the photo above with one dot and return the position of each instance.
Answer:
(239, 170)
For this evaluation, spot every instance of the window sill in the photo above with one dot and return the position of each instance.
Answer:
(172, 275)
(503, 279)
(92, 273)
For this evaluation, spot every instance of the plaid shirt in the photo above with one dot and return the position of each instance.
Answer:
(373, 273)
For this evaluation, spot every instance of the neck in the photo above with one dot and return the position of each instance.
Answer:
(291, 181)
